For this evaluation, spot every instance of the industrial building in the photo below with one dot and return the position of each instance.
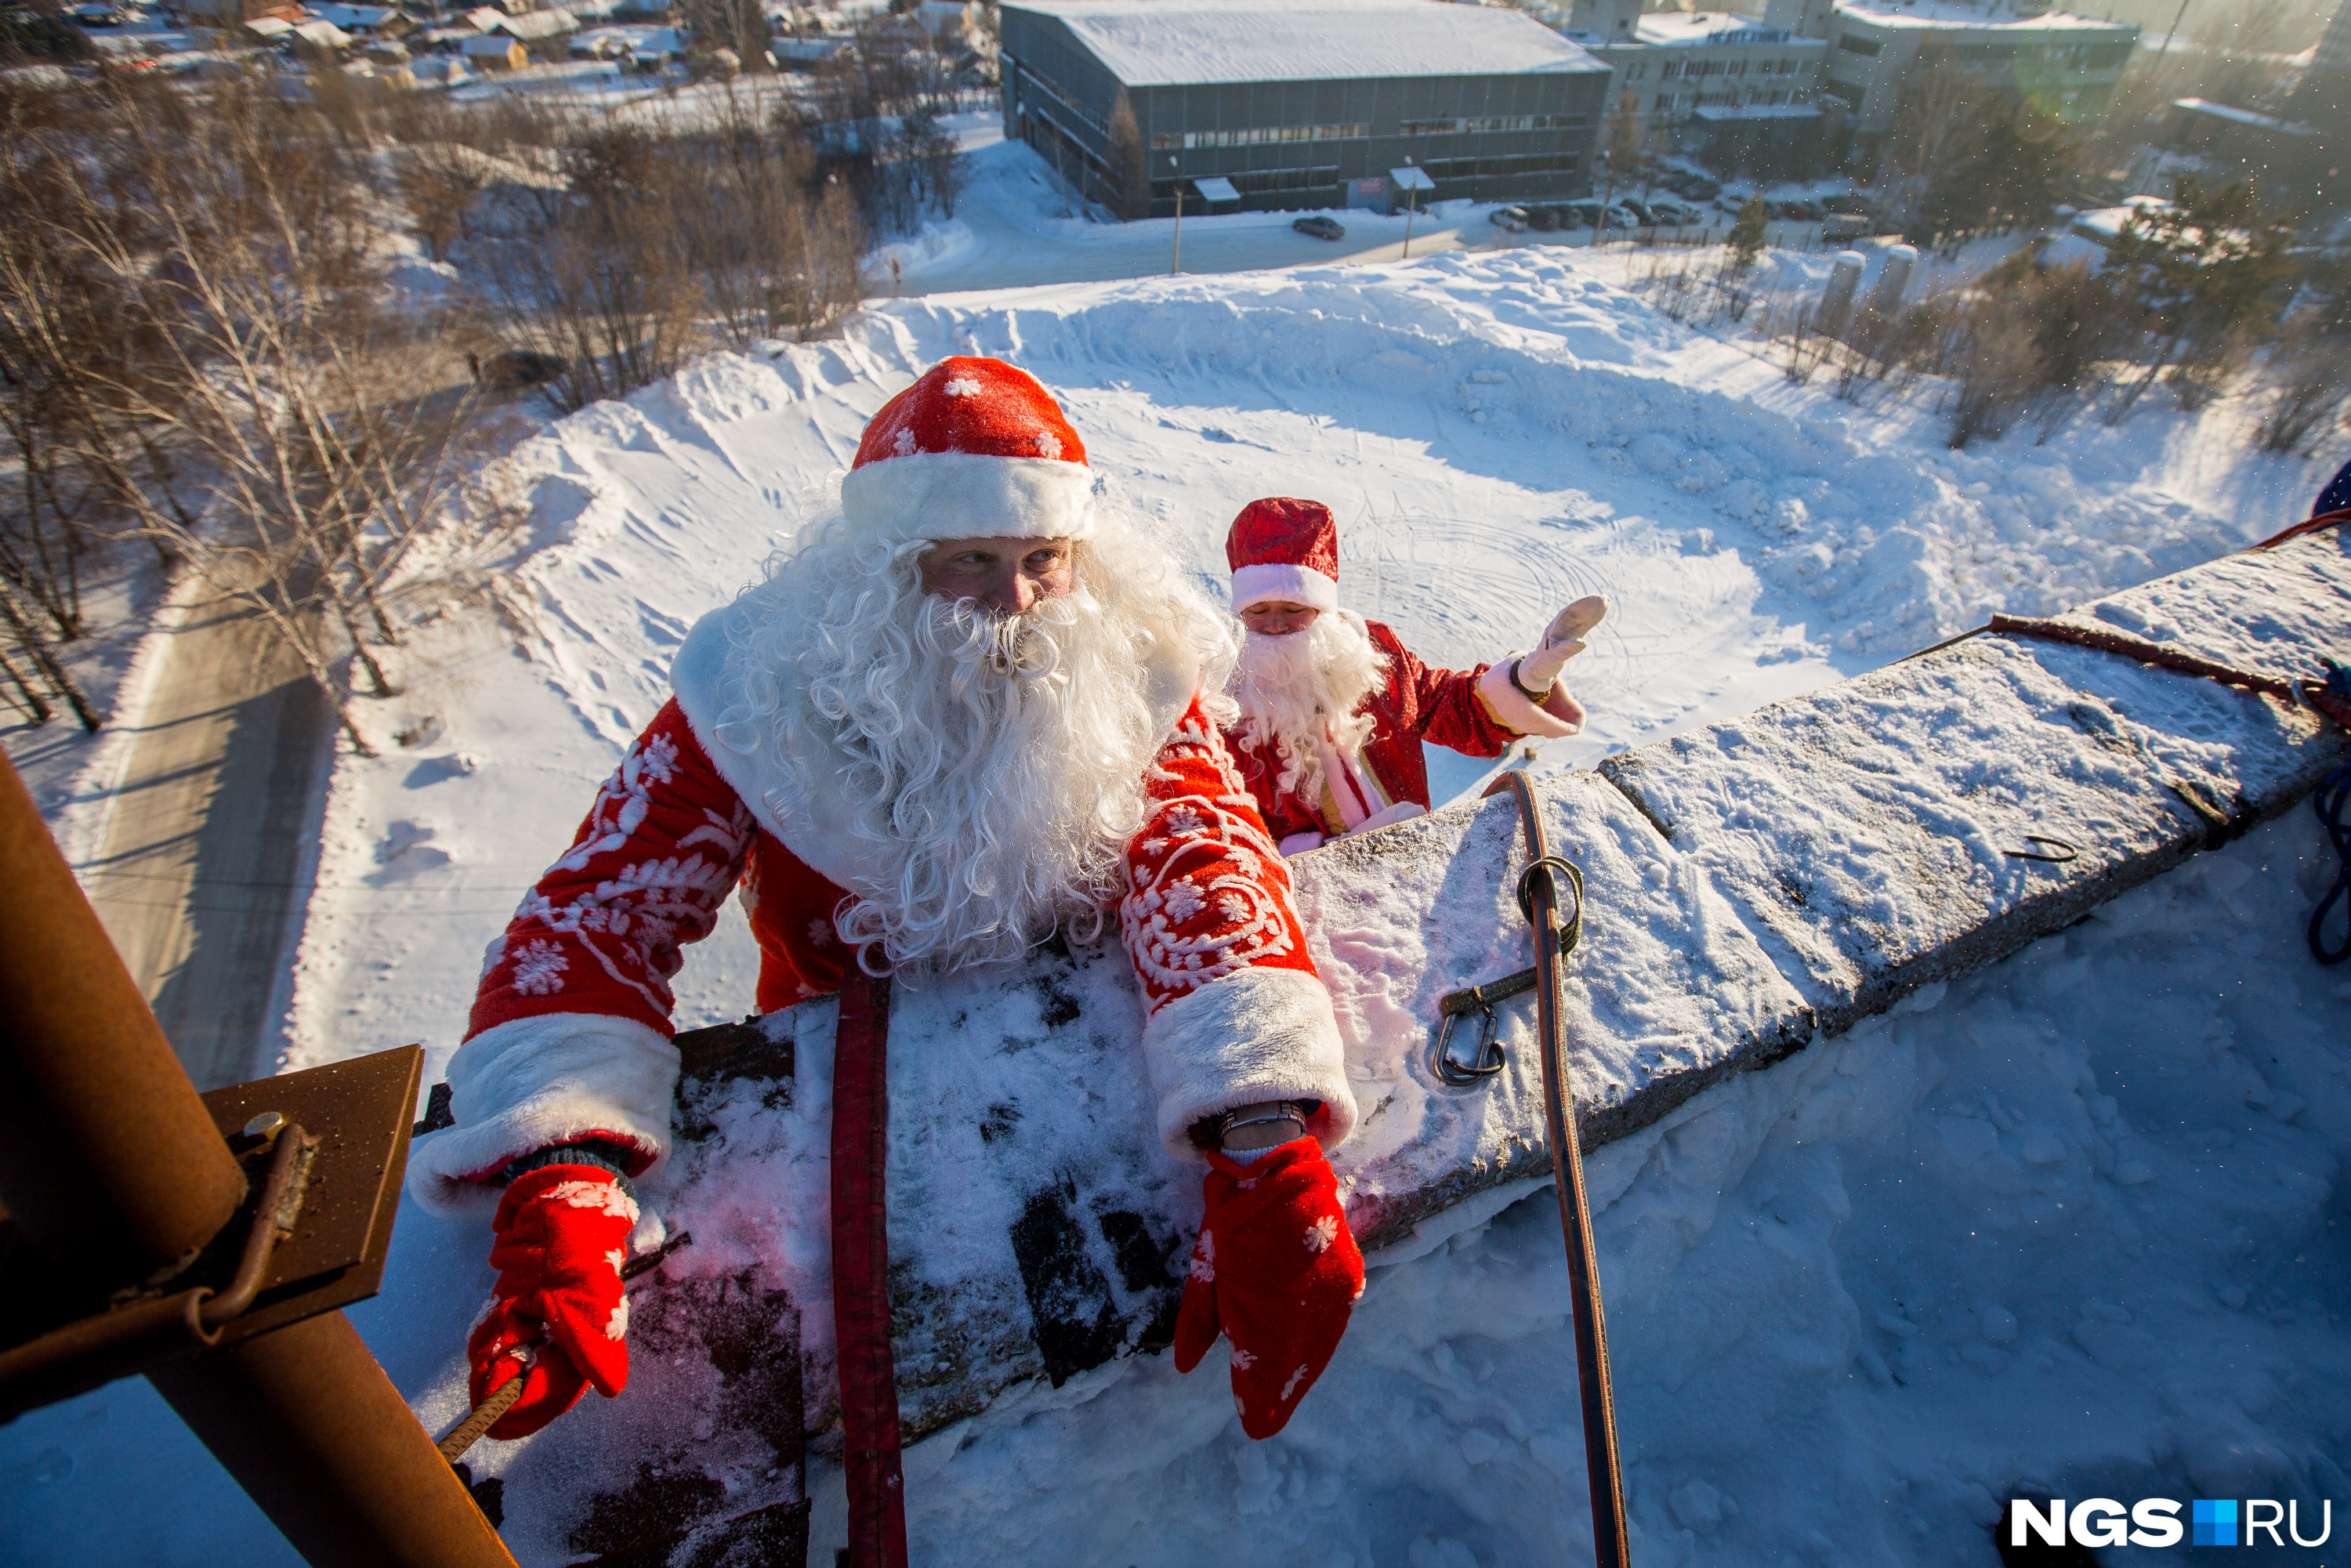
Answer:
(2064, 65)
(1298, 103)
(1738, 94)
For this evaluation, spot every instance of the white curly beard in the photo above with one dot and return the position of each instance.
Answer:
(995, 762)
(1290, 686)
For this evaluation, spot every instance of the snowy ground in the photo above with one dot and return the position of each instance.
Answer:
(1835, 1301)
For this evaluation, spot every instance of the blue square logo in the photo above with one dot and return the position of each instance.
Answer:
(2213, 1521)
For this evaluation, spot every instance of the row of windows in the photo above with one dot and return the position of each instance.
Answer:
(1261, 135)
(1498, 168)
(1667, 100)
(1264, 135)
(1475, 125)
(1733, 68)
(1262, 181)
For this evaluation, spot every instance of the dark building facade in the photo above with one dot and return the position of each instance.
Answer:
(1300, 104)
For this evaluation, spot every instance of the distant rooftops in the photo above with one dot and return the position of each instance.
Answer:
(1168, 43)
(1991, 14)
(1686, 29)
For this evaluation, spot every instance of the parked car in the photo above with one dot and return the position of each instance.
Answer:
(96, 15)
(1673, 214)
(1509, 220)
(1642, 216)
(1846, 225)
(1697, 187)
(1584, 214)
(1544, 218)
(1800, 210)
(1320, 227)
(1852, 202)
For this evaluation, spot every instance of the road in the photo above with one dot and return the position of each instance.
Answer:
(197, 880)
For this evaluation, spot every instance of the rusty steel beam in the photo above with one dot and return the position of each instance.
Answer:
(108, 1160)
(113, 1170)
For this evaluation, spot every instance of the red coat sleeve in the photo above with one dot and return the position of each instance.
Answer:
(660, 851)
(1236, 1014)
(1439, 705)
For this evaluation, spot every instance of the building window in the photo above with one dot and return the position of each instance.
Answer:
(1672, 69)
(1854, 44)
(1165, 141)
(1664, 100)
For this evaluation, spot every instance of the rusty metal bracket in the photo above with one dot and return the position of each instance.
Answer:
(311, 1236)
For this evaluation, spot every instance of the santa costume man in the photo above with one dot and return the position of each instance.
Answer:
(973, 707)
(1333, 707)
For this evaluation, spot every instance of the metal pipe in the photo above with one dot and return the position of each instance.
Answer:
(317, 1435)
(107, 1160)
(113, 1167)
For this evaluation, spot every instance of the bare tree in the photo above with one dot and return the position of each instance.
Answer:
(1624, 141)
(438, 183)
(1126, 180)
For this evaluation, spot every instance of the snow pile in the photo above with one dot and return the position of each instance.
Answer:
(2064, 1230)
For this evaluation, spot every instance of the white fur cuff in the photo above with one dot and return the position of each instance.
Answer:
(533, 1081)
(1261, 1034)
(1282, 583)
(1511, 707)
(959, 495)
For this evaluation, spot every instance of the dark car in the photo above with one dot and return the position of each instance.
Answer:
(1584, 214)
(1640, 210)
(1800, 210)
(1852, 202)
(1542, 217)
(1697, 187)
(1320, 227)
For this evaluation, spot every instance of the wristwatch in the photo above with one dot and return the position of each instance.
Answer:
(1272, 1114)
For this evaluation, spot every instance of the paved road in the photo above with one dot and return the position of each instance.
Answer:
(196, 881)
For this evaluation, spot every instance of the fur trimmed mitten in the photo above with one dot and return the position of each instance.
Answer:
(1276, 1272)
(559, 1239)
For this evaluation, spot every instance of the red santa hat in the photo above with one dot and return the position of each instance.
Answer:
(1286, 550)
(975, 448)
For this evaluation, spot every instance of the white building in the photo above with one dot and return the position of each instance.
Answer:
(1880, 50)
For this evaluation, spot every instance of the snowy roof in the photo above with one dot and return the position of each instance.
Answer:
(1685, 29)
(1990, 16)
(2242, 116)
(324, 33)
(489, 45)
(481, 18)
(1168, 43)
(535, 24)
(268, 26)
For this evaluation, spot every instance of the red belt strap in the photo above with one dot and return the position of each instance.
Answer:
(861, 1275)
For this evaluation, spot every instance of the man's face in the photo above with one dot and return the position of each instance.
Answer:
(1009, 574)
(1278, 618)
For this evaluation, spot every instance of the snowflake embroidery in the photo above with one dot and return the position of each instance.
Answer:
(539, 969)
(1242, 1360)
(616, 1258)
(1204, 1258)
(1233, 908)
(820, 933)
(1321, 1233)
(905, 445)
(1287, 1388)
(1047, 443)
(604, 1195)
(1183, 902)
(617, 1326)
(962, 386)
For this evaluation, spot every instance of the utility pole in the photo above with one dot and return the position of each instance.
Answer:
(2176, 17)
(1175, 262)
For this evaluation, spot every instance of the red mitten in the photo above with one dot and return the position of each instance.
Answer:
(1276, 1272)
(562, 1235)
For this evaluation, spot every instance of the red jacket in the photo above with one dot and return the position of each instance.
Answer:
(569, 1028)
(1416, 704)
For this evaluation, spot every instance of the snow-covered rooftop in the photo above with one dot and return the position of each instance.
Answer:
(1946, 15)
(2245, 116)
(1685, 29)
(1168, 43)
